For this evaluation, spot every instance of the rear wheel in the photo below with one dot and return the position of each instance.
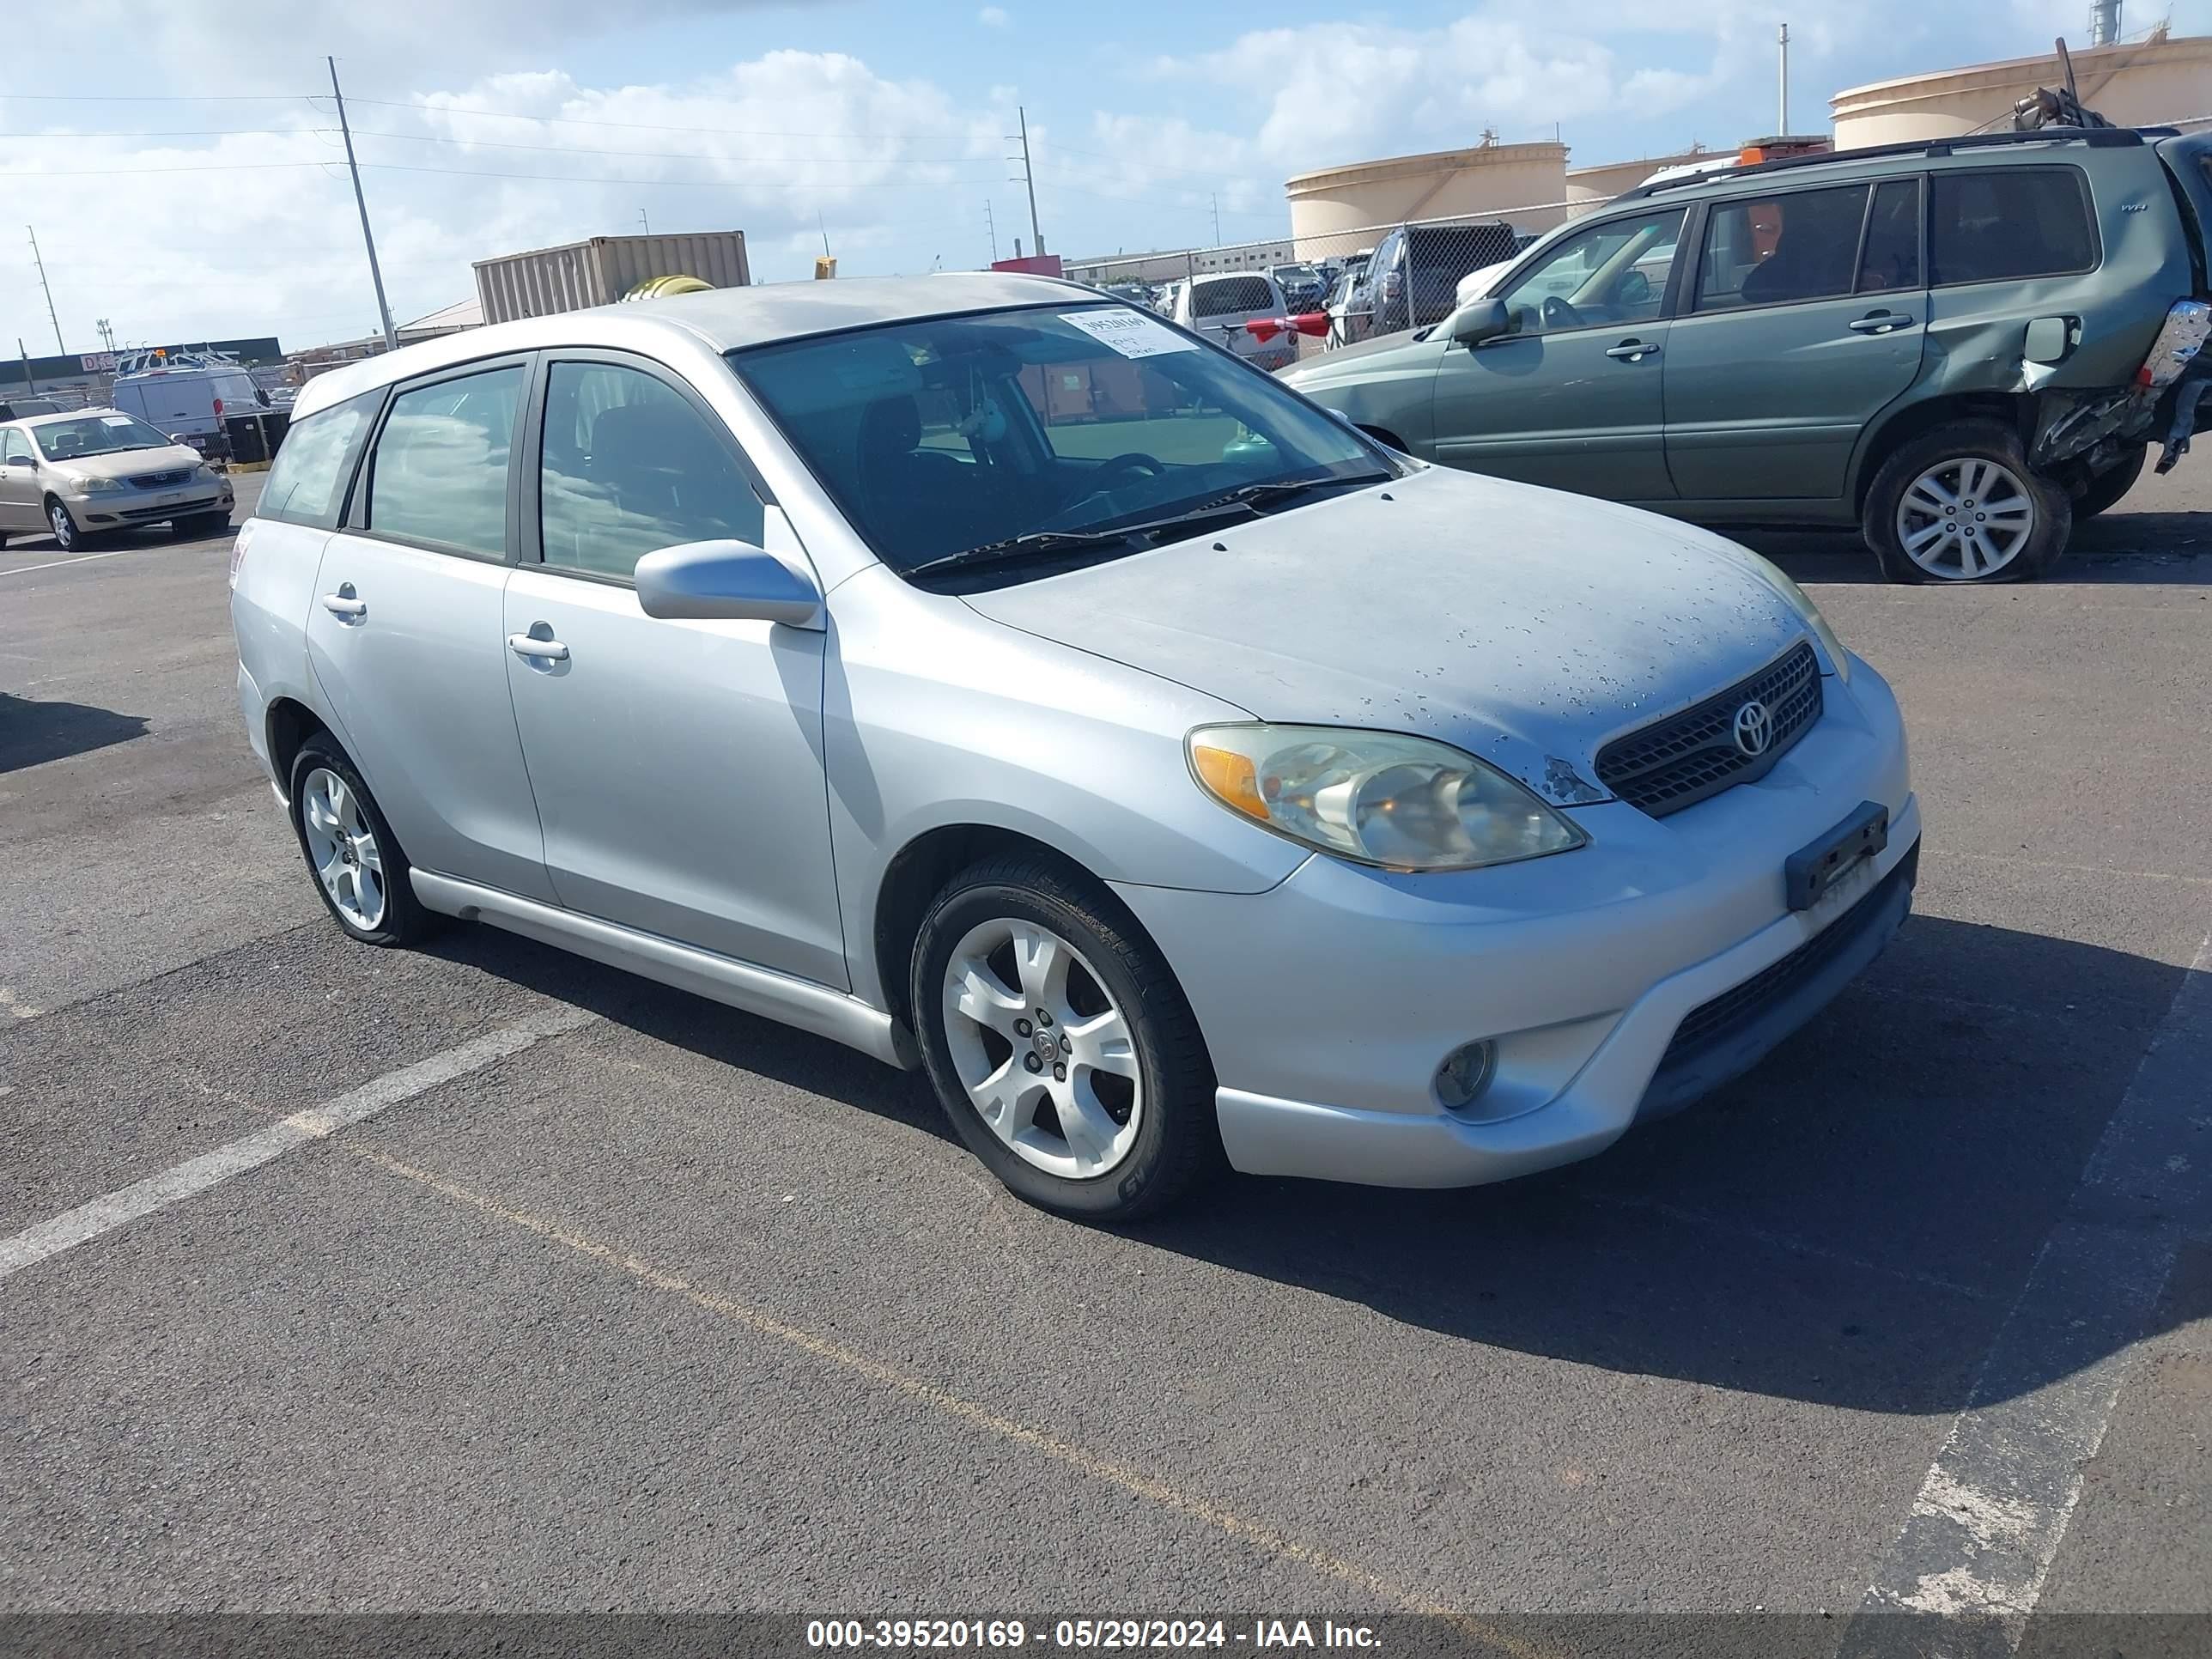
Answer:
(2105, 490)
(350, 850)
(1060, 1046)
(1961, 504)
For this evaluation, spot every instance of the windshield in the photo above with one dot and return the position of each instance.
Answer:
(946, 434)
(95, 434)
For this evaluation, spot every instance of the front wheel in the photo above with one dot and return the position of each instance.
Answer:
(1961, 504)
(1060, 1044)
(67, 536)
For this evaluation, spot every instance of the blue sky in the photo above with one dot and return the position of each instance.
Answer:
(203, 199)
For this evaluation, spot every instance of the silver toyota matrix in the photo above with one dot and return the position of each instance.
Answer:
(1004, 681)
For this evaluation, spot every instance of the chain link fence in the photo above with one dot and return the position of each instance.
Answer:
(1366, 281)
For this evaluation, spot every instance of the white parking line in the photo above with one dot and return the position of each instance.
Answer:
(81, 558)
(1994, 1508)
(197, 1174)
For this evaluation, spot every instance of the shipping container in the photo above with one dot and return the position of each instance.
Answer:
(602, 271)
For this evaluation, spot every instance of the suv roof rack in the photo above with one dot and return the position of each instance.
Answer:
(2095, 137)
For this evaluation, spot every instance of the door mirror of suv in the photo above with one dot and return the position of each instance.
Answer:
(726, 582)
(1478, 320)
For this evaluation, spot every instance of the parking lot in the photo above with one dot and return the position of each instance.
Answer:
(599, 1295)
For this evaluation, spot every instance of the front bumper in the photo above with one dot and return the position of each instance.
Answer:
(1329, 1002)
(150, 506)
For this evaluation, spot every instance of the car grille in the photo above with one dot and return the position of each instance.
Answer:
(1742, 1005)
(161, 480)
(1679, 761)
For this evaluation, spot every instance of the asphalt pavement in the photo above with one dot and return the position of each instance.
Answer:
(585, 1294)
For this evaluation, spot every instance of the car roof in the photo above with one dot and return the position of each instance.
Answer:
(66, 415)
(1980, 149)
(723, 319)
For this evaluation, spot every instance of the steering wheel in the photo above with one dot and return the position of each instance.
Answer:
(1557, 314)
(1129, 461)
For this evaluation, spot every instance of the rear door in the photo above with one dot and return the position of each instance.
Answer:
(1571, 397)
(406, 632)
(676, 764)
(1221, 306)
(1807, 318)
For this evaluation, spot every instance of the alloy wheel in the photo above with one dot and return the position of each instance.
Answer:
(64, 528)
(1964, 519)
(343, 848)
(1045, 1054)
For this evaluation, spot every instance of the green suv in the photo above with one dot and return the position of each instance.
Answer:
(1960, 346)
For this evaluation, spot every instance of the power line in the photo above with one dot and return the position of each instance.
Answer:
(158, 98)
(631, 127)
(177, 132)
(667, 155)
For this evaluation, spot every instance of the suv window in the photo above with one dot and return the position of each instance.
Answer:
(1234, 296)
(439, 474)
(2013, 221)
(1892, 258)
(1615, 272)
(1775, 250)
(629, 466)
(308, 476)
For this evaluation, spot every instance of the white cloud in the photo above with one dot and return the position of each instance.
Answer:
(992, 17)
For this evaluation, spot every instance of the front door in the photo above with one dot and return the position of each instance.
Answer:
(1808, 317)
(19, 482)
(677, 765)
(405, 633)
(1571, 397)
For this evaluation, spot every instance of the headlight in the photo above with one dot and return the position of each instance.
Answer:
(1404, 803)
(100, 486)
(1801, 602)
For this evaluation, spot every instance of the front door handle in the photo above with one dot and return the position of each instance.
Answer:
(530, 644)
(1881, 322)
(1633, 350)
(344, 604)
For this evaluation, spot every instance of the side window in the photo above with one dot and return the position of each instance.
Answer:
(14, 444)
(2013, 221)
(1615, 272)
(1892, 258)
(439, 472)
(308, 475)
(1803, 246)
(629, 466)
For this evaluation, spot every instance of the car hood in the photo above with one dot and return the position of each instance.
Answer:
(1526, 626)
(128, 463)
(1325, 366)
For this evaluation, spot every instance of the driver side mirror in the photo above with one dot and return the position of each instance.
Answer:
(1478, 320)
(21, 460)
(726, 582)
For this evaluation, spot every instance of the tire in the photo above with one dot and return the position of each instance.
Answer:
(62, 527)
(398, 917)
(1957, 459)
(2106, 489)
(199, 524)
(1148, 1133)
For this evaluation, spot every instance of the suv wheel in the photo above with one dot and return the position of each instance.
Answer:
(2105, 490)
(356, 862)
(1961, 504)
(67, 536)
(1060, 1045)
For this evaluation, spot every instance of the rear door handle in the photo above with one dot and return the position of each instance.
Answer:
(1882, 322)
(1631, 350)
(343, 604)
(529, 645)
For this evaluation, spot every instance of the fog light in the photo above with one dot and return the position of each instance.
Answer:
(1465, 1074)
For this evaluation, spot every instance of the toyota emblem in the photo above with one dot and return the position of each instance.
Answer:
(1755, 728)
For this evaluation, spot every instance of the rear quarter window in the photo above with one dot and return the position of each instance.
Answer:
(2007, 223)
(306, 481)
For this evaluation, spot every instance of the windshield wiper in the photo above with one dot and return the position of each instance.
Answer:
(1252, 494)
(1055, 541)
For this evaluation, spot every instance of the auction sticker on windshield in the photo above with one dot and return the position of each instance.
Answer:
(1129, 332)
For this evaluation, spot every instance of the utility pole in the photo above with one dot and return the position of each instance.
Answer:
(1216, 218)
(44, 284)
(107, 334)
(1029, 177)
(991, 229)
(645, 222)
(1782, 111)
(375, 275)
(28, 383)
